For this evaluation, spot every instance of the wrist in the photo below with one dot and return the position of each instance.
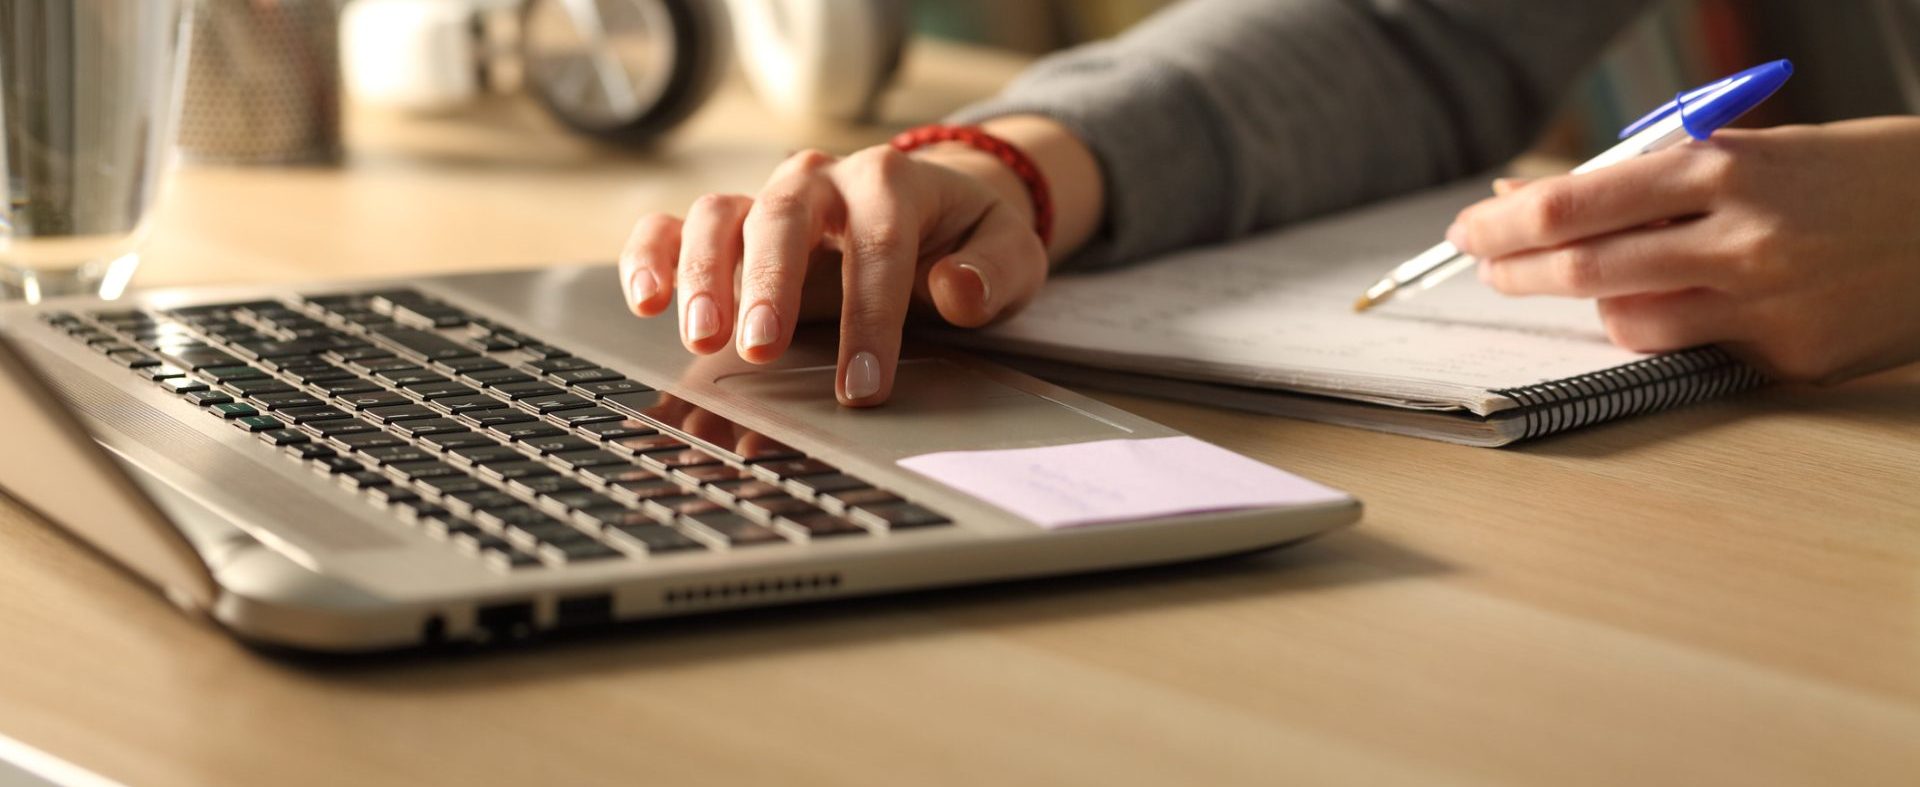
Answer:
(985, 168)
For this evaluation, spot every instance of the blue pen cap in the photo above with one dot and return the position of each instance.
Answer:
(1703, 110)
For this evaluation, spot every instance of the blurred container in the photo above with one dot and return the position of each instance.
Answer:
(263, 82)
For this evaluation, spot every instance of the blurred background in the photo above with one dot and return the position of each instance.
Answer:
(1676, 45)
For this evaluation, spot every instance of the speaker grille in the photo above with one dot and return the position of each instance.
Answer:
(746, 589)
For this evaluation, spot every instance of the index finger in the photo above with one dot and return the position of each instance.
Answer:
(1559, 210)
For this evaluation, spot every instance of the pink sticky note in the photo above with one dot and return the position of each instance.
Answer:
(1118, 480)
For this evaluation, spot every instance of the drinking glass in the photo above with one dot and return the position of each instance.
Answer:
(89, 91)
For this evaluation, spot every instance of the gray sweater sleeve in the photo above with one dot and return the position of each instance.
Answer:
(1216, 118)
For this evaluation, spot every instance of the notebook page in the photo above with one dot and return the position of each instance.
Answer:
(1276, 310)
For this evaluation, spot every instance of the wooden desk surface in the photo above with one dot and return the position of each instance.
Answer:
(1728, 594)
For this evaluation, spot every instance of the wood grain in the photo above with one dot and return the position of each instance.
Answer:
(1726, 594)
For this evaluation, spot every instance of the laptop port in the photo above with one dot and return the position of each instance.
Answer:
(584, 610)
(508, 622)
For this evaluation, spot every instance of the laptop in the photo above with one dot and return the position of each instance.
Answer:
(489, 457)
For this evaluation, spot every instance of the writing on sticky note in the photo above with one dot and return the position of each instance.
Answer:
(1118, 480)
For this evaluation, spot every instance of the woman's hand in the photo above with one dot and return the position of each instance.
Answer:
(1797, 247)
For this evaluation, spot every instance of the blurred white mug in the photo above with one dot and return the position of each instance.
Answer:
(819, 59)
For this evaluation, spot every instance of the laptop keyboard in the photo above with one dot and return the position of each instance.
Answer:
(514, 450)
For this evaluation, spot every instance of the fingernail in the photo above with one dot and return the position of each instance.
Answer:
(1503, 185)
(986, 290)
(1457, 235)
(760, 326)
(863, 375)
(703, 318)
(644, 287)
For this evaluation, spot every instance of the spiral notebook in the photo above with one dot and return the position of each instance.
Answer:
(1265, 324)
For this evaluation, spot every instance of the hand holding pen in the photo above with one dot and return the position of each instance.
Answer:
(1797, 247)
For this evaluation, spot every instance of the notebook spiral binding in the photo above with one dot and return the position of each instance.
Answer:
(1643, 386)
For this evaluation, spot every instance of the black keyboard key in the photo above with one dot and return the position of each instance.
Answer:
(429, 316)
(648, 444)
(133, 359)
(463, 438)
(497, 419)
(652, 539)
(765, 509)
(306, 415)
(576, 552)
(257, 387)
(184, 385)
(510, 560)
(465, 494)
(233, 410)
(345, 388)
(666, 508)
(575, 460)
(443, 389)
(739, 489)
(412, 375)
(320, 375)
(364, 441)
(207, 398)
(849, 498)
(557, 443)
(760, 449)
(551, 365)
(199, 357)
(538, 350)
(309, 450)
(815, 485)
(615, 430)
(381, 364)
(335, 465)
(710, 474)
(730, 528)
(817, 524)
(228, 374)
(545, 485)
(334, 428)
(602, 388)
(425, 345)
(364, 479)
(647, 489)
(507, 471)
(460, 405)
(617, 474)
(392, 495)
(288, 400)
(600, 519)
(283, 349)
(497, 377)
(530, 390)
(476, 454)
(792, 468)
(405, 412)
(283, 437)
(585, 376)
(547, 403)
(677, 460)
(414, 471)
(386, 455)
(896, 516)
(586, 415)
(579, 498)
(430, 426)
(517, 432)
(468, 365)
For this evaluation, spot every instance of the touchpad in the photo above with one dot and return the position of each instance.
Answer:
(937, 405)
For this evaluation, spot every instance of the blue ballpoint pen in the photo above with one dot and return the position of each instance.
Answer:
(1694, 114)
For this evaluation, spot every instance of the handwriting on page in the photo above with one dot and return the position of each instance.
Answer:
(1276, 309)
(1118, 480)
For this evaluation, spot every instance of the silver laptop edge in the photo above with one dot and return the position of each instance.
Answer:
(280, 555)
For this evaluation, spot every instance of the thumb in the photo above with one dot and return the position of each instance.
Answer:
(999, 268)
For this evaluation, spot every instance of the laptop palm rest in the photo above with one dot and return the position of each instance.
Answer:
(937, 405)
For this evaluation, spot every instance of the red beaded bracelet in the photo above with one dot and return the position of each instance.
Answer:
(1015, 159)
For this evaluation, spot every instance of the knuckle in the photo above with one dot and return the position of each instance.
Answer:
(766, 277)
(1553, 208)
(719, 204)
(810, 159)
(872, 316)
(878, 243)
(779, 202)
(880, 163)
(1577, 269)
